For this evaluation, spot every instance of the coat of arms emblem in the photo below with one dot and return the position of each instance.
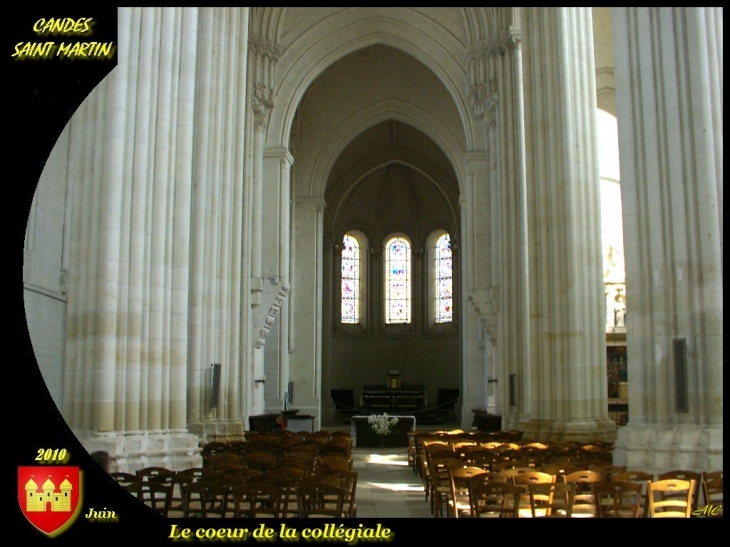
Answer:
(49, 496)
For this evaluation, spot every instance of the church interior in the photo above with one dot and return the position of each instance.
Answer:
(457, 214)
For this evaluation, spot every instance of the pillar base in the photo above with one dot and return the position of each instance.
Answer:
(130, 451)
(583, 430)
(217, 430)
(657, 448)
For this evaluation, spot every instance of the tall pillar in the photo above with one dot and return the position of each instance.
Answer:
(495, 70)
(263, 56)
(217, 311)
(306, 363)
(567, 336)
(131, 156)
(477, 303)
(275, 265)
(669, 98)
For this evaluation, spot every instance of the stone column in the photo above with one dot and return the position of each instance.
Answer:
(276, 269)
(567, 336)
(496, 95)
(332, 266)
(669, 66)
(217, 311)
(476, 303)
(262, 62)
(306, 363)
(132, 153)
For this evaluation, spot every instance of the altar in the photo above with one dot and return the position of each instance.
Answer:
(363, 435)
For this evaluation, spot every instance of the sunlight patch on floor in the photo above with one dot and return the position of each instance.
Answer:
(397, 487)
(387, 459)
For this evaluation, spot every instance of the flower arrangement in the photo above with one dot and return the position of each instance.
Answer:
(382, 424)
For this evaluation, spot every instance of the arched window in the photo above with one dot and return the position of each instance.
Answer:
(443, 280)
(350, 280)
(397, 280)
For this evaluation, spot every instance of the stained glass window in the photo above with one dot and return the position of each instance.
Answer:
(350, 280)
(443, 266)
(397, 281)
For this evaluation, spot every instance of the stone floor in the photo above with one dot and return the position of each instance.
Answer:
(387, 487)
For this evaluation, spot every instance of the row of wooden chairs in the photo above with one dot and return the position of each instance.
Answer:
(512, 454)
(201, 492)
(588, 494)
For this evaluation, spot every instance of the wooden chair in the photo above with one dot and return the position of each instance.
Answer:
(712, 491)
(255, 500)
(148, 472)
(607, 470)
(671, 498)
(289, 488)
(347, 479)
(554, 499)
(125, 478)
(175, 482)
(585, 500)
(513, 471)
(558, 469)
(642, 478)
(205, 499)
(333, 460)
(439, 483)
(195, 474)
(320, 499)
(493, 499)
(155, 495)
(479, 457)
(618, 499)
(686, 476)
(459, 502)
(523, 481)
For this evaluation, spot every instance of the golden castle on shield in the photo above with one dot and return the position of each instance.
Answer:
(38, 501)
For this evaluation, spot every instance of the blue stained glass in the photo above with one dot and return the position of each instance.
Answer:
(350, 288)
(444, 278)
(398, 280)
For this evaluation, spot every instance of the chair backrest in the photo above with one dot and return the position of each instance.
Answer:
(583, 475)
(618, 499)
(125, 478)
(460, 482)
(344, 478)
(585, 500)
(552, 499)
(493, 499)
(642, 478)
(686, 475)
(607, 470)
(289, 488)
(175, 482)
(514, 471)
(532, 477)
(712, 490)
(205, 499)
(156, 495)
(254, 500)
(320, 499)
(559, 469)
(671, 498)
(148, 472)
(195, 474)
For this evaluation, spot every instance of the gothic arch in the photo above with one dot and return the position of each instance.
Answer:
(346, 31)
(409, 114)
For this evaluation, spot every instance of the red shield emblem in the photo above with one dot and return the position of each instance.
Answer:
(50, 496)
